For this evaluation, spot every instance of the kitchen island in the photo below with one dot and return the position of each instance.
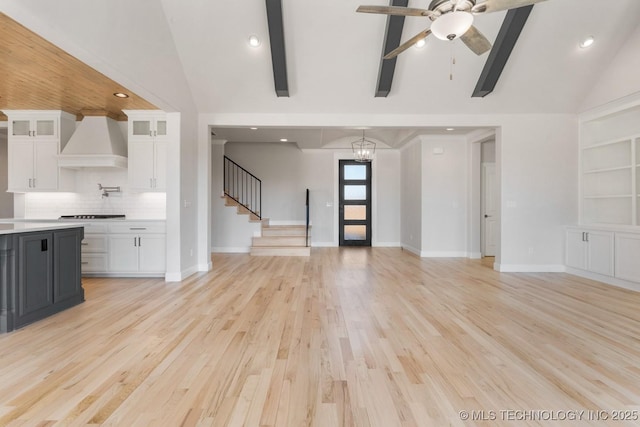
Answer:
(39, 271)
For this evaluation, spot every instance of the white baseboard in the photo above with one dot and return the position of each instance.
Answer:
(632, 286)
(179, 277)
(411, 249)
(230, 250)
(386, 245)
(324, 244)
(443, 254)
(529, 268)
(288, 222)
(205, 267)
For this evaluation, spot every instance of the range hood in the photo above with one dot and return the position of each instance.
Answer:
(97, 142)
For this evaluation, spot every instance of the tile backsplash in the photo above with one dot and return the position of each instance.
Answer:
(88, 198)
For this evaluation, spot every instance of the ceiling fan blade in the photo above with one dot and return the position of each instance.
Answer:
(395, 10)
(476, 41)
(406, 45)
(497, 5)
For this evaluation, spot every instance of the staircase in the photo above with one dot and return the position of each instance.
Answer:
(281, 240)
(244, 191)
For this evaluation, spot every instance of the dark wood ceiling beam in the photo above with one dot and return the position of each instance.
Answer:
(502, 47)
(276, 40)
(392, 38)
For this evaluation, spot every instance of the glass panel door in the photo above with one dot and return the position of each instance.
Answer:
(355, 203)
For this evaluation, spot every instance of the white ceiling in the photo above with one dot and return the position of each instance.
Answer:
(333, 56)
(193, 54)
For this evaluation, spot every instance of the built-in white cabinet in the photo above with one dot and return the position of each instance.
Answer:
(124, 248)
(590, 250)
(628, 256)
(94, 248)
(147, 132)
(137, 248)
(35, 139)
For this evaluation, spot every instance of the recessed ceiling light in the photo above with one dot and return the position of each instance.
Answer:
(588, 41)
(283, 139)
(254, 41)
(120, 95)
(450, 129)
(253, 128)
(420, 43)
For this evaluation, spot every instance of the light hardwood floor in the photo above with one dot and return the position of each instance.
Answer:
(347, 337)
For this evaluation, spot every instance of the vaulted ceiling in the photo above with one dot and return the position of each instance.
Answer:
(174, 53)
(37, 75)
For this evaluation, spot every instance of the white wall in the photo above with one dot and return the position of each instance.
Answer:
(538, 164)
(386, 198)
(286, 172)
(621, 76)
(411, 196)
(444, 196)
(6, 199)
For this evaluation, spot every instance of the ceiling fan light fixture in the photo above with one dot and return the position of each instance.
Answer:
(452, 25)
(586, 42)
(254, 41)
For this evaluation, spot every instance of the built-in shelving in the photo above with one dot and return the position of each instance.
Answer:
(610, 167)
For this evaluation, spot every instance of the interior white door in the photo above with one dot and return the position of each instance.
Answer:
(489, 209)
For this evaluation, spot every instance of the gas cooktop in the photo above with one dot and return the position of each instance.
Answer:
(93, 216)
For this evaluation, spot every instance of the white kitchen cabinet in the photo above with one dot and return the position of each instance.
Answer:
(123, 253)
(27, 127)
(94, 248)
(590, 250)
(34, 142)
(147, 150)
(147, 166)
(137, 248)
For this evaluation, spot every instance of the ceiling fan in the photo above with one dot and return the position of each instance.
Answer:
(451, 19)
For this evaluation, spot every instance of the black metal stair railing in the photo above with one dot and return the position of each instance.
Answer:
(306, 235)
(243, 187)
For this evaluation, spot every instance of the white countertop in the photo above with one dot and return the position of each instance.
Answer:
(25, 227)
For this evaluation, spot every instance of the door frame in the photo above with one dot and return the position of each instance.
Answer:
(483, 208)
(368, 222)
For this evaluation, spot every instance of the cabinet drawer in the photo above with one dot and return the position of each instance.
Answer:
(94, 243)
(94, 263)
(138, 228)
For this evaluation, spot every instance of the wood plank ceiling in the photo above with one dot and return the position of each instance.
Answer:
(36, 75)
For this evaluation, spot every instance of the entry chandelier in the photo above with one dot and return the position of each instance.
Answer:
(363, 149)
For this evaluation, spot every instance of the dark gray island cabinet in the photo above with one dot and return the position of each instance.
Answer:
(40, 272)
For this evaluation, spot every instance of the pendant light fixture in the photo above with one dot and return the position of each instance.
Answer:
(363, 149)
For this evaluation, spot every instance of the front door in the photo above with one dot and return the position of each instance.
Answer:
(355, 203)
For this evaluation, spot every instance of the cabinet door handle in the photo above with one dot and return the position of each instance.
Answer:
(140, 241)
(44, 245)
(84, 244)
(30, 178)
(34, 183)
(150, 132)
(84, 262)
(135, 242)
(137, 228)
(586, 236)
